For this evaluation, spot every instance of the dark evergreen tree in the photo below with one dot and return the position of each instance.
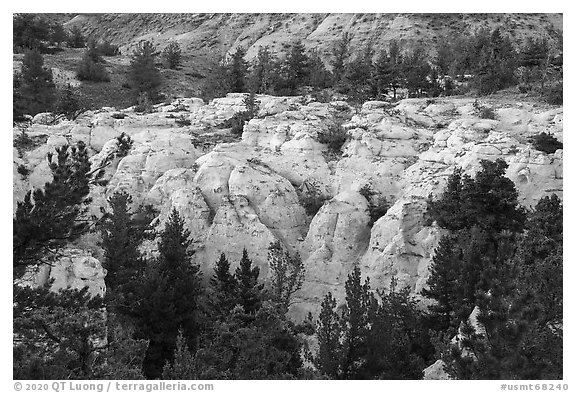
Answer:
(319, 77)
(29, 32)
(34, 86)
(92, 67)
(416, 71)
(249, 291)
(383, 73)
(60, 335)
(122, 233)
(360, 305)
(237, 71)
(58, 34)
(262, 77)
(224, 290)
(143, 74)
(263, 347)
(168, 298)
(182, 367)
(443, 284)
(48, 219)
(172, 56)
(329, 334)
(68, 103)
(76, 38)
(360, 82)
(297, 67)
(340, 54)
(396, 340)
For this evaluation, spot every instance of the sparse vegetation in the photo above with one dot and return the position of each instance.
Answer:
(546, 143)
(377, 204)
(311, 198)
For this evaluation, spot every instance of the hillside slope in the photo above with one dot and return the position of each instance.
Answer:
(217, 34)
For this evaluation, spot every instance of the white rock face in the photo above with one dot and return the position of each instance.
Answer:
(242, 192)
(74, 269)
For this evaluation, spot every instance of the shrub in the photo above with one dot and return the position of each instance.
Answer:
(546, 143)
(377, 204)
(484, 112)
(124, 145)
(108, 49)
(555, 95)
(92, 68)
(118, 115)
(311, 198)
(334, 137)
(23, 170)
(172, 56)
(236, 122)
(183, 122)
(144, 104)
(68, 103)
(487, 113)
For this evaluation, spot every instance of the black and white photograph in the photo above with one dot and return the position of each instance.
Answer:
(287, 196)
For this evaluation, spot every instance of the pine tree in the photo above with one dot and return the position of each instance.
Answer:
(224, 289)
(396, 341)
(340, 54)
(68, 103)
(143, 74)
(35, 87)
(92, 67)
(262, 78)
(319, 77)
(168, 297)
(443, 284)
(329, 334)
(287, 274)
(416, 71)
(46, 220)
(58, 34)
(182, 367)
(359, 306)
(237, 71)
(122, 233)
(249, 291)
(172, 56)
(297, 67)
(359, 77)
(76, 38)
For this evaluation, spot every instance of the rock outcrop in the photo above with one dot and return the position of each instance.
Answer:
(237, 193)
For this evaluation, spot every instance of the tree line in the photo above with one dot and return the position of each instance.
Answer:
(486, 61)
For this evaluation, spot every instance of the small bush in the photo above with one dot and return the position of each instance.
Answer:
(23, 170)
(487, 113)
(172, 56)
(89, 70)
(107, 49)
(144, 104)
(311, 198)
(124, 145)
(334, 137)
(546, 143)
(183, 122)
(236, 122)
(118, 115)
(377, 204)
(555, 95)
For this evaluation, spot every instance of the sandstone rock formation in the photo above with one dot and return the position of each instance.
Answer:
(243, 192)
